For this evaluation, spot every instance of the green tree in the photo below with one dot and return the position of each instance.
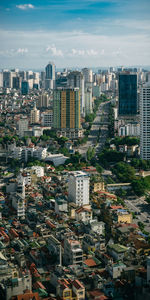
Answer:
(124, 172)
(90, 153)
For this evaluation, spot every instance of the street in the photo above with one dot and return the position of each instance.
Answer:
(99, 128)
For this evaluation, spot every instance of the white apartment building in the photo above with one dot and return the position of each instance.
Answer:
(73, 253)
(129, 130)
(22, 126)
(24, 153)
(78, 188)
(47, 118)
(145, 121)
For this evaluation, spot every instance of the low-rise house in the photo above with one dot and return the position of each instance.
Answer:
(83, 214)
(61, 205)
(98, 186)
(117, 251)
(115, 269)
(70, 289)
(93, 242)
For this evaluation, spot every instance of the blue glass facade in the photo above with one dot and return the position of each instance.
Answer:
(127, 94)
(24, 87)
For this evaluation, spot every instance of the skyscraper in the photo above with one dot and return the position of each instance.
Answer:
(76, 80)
(145, 121)
(88, 75)
(24, 87)
(50, 76)
(127, 94)
(66, 112)
(43, 101)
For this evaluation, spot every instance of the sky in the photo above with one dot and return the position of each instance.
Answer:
(74, 33)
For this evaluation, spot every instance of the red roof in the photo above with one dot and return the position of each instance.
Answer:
(28, 296)
(77, 284)
(90, 262)
(116, 207)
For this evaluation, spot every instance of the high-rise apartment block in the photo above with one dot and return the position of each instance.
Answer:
(88, 75)
(76, 80)
(34, 115)
(47, 118)
(145, 121)
(22, 126)
(78, 188)
(66, 112)
(43, 101)
(127, 94)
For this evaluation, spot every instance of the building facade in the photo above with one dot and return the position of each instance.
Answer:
(76, 80)
(34, 115)
(127, 94)
(78, 188)
(145, 122)
(66, 112)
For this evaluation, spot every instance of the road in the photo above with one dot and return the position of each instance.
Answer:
(99, 128)
(141, 208)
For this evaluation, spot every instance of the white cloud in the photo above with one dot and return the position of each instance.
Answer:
(24, 6)
(92, 52)
(54, 51)
(82, 52)
(77, 49)
(22, 50)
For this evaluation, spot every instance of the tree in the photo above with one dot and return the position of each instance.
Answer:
(124, 172)
(121, 193)
(108, 156)
(64, 151)
(90, 153)
(139, 186)
(45, 137)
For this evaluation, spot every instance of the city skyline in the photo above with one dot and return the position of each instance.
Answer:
(74, 33)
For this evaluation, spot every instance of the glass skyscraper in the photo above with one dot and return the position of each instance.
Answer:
(127, 94)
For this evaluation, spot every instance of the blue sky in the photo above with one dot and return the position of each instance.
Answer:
(74, 33)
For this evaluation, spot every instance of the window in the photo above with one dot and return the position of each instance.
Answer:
(67, 294)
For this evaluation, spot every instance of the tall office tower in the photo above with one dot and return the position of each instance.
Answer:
(6, 79)
(50, 76)
(22, 126)
(16, 83)
(42, 80)
(88, 101)
(34, 115)
(36, 78)
(76, 80)
(78, 188)
(127, 94)
(66, 112)
(1, 79)
(24, 87)
(22, 74)
(43, 101)
(145, 121)
(88, 75)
